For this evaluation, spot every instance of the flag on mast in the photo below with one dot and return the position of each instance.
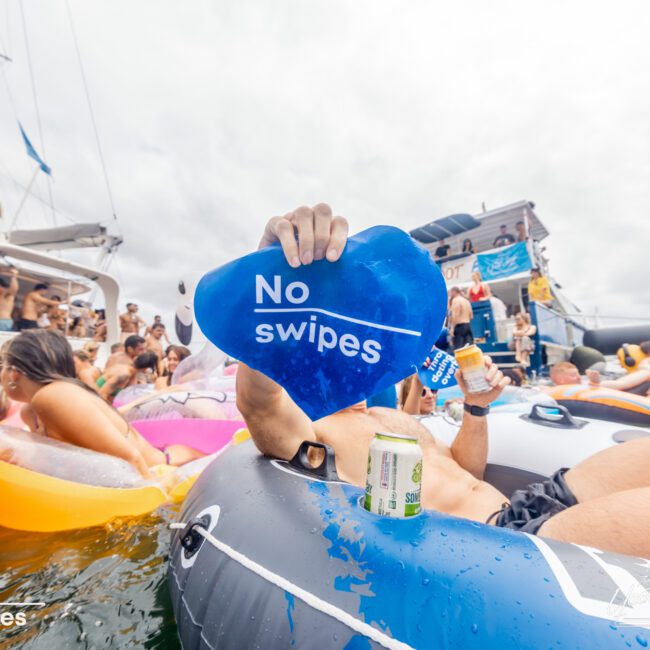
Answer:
(31, 152)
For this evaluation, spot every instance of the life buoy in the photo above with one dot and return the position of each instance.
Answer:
(47, 485)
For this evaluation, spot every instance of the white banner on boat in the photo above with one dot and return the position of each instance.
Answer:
(460, 270)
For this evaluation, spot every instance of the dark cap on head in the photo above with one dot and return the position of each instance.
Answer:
(40, 286)
(4, 283)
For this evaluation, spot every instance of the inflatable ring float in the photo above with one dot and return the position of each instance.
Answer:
(64, 487)
(603, 404)
(271, 554)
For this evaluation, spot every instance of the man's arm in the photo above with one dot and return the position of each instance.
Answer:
(470, 447)
(631, 380)
(275, 422)
(45, 301)
(13, 283)
(412, 403)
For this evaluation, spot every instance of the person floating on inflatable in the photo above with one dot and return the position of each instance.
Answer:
(574, 505)
(38, 368)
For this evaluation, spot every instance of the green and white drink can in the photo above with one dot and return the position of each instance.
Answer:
(394, 481)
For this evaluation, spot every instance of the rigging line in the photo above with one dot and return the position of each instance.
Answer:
(12, 180)
(38, 112)
(92, 114)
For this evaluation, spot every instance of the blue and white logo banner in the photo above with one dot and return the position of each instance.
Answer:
(331, 334)
(439, 370)
(504, 262)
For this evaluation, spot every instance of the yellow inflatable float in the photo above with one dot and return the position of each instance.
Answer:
(48, 486)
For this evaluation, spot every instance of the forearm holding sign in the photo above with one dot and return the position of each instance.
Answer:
(275, 422)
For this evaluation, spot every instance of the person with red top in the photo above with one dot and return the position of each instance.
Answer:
(479, 290)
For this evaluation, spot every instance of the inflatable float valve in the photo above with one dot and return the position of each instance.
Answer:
(191, 539)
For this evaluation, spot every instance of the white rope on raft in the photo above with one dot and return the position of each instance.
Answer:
(310, 599)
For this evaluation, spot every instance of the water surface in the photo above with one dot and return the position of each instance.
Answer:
(103, 587)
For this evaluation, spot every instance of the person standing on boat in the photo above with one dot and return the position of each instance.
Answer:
(479, 290)
(520, 227)
(34, 301)
(504, 238)
(522, 339)
(539, 290)
(152, 342)
(130, 322)
(8, 291)
(442, 251)
(157, 320)
(468, 247)
(460, 317)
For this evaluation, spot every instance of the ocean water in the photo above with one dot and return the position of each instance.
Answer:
(102, 587)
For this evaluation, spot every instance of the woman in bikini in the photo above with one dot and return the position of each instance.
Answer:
(522, 339)
(479, 290)
(38, 368)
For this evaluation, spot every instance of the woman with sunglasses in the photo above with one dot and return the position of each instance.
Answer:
(416, 398)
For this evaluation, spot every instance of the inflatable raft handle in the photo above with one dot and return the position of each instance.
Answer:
(326, 471)
(553, 416)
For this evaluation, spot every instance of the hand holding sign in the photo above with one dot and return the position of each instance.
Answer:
(439, 370)
(330, 334)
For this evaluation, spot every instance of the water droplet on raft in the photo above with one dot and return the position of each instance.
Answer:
(98, 623)
(313, 530)
(498, 558)
(426, 581)
(474, 628)
(641, 641)
(444, 533)
(414, 542)
(528, 556)
(613, 627)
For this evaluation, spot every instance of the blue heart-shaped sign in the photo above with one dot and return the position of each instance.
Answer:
(439, 372)
(330, 333)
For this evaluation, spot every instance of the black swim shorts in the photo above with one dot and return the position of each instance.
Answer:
(462, 335)
(530, 508)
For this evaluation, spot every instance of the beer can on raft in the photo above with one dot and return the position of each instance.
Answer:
(472, 366)
(394, 480)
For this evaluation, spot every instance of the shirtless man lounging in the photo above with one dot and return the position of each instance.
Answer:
(604, 501)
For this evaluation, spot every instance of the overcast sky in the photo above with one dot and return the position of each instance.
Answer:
(214, 116)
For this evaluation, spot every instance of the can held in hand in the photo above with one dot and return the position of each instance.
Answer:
(472, 366)
(394, 481)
